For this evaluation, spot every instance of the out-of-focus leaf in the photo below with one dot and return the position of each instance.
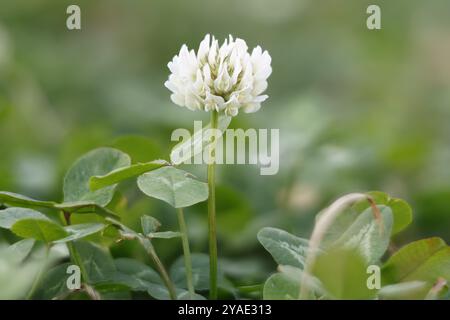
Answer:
(285, 248)
(368, 235)
(412, 290)
(285, 285)
(118, 175)
(235, 213)
(423, 260)
(21, 249)
(173, 186)
(343, 274)
(281, 286)
(39, 229)
(16, 277)
(96, 162)
(9, 216)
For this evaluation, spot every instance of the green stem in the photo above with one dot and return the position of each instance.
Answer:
(161, 269)
(186, 251)
(212, 216)
(74, 256)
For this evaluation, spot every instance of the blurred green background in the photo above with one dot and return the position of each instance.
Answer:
(358, 110)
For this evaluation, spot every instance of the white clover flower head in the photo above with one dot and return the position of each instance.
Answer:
(224, 78)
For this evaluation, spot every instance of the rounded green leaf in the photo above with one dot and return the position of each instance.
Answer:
(285, 248)
(97, 162)
(402, 214)
(9, 216)
(425, 260)
(39, 229)
(174, 186)
(281, 286)
(368, 235)
(401, 211)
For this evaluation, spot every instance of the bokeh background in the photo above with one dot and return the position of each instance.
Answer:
(358, 110)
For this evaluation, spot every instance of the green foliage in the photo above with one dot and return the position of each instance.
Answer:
(346, 123)
(281, 286)
(356, 239)
(285, 248)
(21, 249)
(118, 175)
(54, 283)
(401, 211)
(200, 272)
(424, 260)
(164, 235)
(348, 279)
(97, 263)
(285, 285)
(15, 199)
(79, 231)
(79, 207)
(368, 234)
(28, 223)
(97, 162)
(173, 186)
(359, 237)
(139, 277)
(39, 229)
(149, 224)
(10, 216)
(412, 290)
(17, 275)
